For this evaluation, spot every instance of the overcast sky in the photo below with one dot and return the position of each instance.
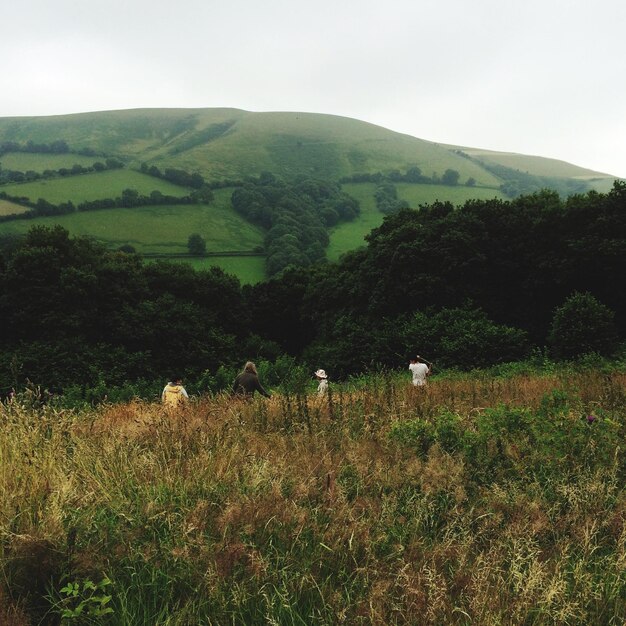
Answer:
(540, 77)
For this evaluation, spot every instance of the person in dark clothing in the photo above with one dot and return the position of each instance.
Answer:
(247, 382)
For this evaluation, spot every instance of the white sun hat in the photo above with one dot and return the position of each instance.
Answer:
(321, 374)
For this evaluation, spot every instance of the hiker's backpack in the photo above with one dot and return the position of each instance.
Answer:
(173, 396)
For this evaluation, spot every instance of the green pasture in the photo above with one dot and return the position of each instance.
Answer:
(417, 195)
(248, 269)
(39, 162)
(10, 208)
(286, 143)
(350, 235)
(163, 229)
(95, 186)
(316, 145)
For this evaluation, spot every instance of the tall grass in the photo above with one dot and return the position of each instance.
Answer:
(478, 499)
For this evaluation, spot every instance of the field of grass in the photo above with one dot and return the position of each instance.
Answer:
(38, 162)
(249, 269)
(161, 229)
(480, 499)
(287, 144)
(10, 208)
(95, 186)
(350, 235)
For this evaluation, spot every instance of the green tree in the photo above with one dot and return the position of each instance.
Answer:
(450, 177)
(582, 325)
(196, 245)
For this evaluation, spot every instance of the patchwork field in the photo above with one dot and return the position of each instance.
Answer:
(416, 195)
(38, 162)
(96, 186)
(350, 235)
(162, 229)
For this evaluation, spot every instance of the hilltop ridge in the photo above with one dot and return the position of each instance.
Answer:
(221, 143)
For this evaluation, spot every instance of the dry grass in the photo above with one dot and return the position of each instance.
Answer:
(296, 510)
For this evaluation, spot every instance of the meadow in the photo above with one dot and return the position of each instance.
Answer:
(10, 208)
(93, 186)
(248, 269)
(157, 229)
(484, 498)
(39, 162)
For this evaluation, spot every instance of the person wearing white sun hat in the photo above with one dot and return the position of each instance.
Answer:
(323, 378)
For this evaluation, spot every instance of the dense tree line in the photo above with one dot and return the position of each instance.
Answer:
(74, 312)
(176, 176)
(296, 217)
(17, 176)
(474, 285)
(128, 199)
(55, 147)
(412, 175)
(498, 269)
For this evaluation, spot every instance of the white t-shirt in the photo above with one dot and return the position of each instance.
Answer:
(322, 388)
(419, 371)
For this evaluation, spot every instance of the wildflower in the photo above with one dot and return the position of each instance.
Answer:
(591, 419)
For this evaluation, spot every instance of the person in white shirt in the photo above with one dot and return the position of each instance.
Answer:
(419, 371)
(323, 378)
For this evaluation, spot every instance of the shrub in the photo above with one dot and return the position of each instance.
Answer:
(582, 325)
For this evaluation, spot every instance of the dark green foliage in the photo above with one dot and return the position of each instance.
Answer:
(73, 313)
(296, 217)
(468, 287)
(450, 177)
(196, 244)
(582, 325)
(387, 201)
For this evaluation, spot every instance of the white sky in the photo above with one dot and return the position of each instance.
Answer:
(540, 77)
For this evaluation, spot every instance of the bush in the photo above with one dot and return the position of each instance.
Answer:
(582, 325)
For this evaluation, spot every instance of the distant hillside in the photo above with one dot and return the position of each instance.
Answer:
(231, 144)
(537, 166)
(132, 178)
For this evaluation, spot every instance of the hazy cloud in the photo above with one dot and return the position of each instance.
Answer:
(539, 77)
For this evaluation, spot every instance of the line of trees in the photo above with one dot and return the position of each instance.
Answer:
(470, 286)
(129, 198)
(413, 174)
(296, 217)
(17, 176)
(59, 146)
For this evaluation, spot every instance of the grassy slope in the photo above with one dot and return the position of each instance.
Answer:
(320, 146)
(38, 162)
(96, 186)
(281, 142)
(248, 269)
(284, 143)
(162, 229)
(350, 235)
(542, 166)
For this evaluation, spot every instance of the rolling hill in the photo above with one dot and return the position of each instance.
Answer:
(232, 143)
(226, 145)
